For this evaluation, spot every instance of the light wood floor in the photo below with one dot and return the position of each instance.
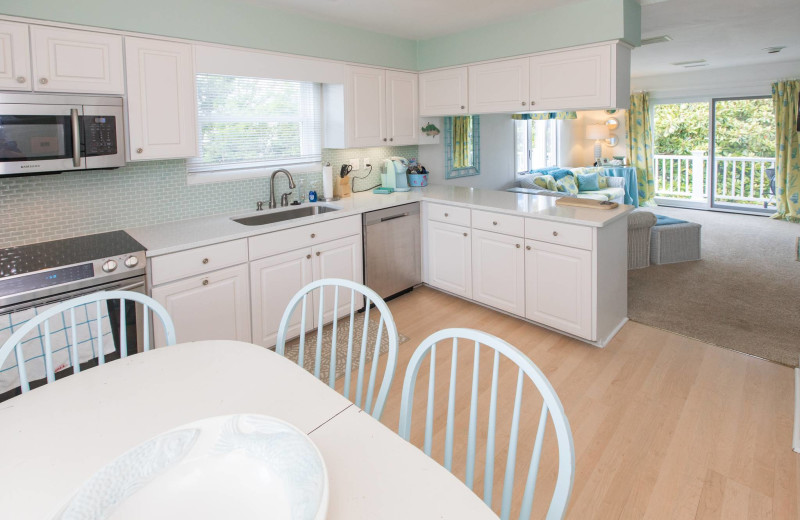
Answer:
(664, 426)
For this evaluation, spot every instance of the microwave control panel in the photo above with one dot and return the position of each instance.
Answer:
(101, 135)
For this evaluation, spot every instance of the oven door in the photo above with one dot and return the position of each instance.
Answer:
(40, 138)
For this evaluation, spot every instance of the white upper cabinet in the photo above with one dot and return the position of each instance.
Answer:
(500, 86)
(15, 58)
(402, 108)
(444, 92)
(68, 60)
(585, 78)
(365, 107)
(161, 99)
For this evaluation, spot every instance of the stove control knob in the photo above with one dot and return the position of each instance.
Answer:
(109, 266)
(131, 261)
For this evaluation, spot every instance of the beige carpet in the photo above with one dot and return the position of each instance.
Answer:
(342, 336)
(744, 294)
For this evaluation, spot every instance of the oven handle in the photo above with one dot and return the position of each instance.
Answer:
(76, 138)
(68, 296)
(130, 287)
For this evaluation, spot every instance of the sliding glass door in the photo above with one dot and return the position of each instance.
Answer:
(715, 154)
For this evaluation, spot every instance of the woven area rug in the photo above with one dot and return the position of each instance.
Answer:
(743, 295)
(342, 336)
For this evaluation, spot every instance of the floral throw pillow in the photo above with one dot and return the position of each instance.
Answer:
(567, 185)
(546, 182)
(602, 182)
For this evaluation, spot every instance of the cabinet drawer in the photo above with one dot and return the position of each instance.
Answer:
(559, 233)
(449, 214)
(498, 222)
(197, 261)
(278, 242)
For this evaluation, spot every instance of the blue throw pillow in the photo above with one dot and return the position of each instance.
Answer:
(588, 182)
(559, 173)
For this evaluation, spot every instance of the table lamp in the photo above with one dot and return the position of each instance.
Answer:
(598, 133)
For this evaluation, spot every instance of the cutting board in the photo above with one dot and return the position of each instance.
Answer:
(585, 203)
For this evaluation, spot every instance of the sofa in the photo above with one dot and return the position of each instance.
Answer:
(550, 181)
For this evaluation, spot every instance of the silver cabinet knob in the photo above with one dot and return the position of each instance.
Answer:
(308, 256)
(391, 138)
(384, 139)
(313, 235)
(555, 233)
(139, 150)
(109, 266)
(205, 282)
(528, 248)
(21, 79)
(465, 234)
(446, 214)
(43, 81)
(523, 103)
(131, 261)
(518, 246)
(494, 223)
(205, 260)
(463, 107)
(318, 253)
(533, 103)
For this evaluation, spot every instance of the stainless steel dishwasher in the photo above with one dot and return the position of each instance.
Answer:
(392, 249)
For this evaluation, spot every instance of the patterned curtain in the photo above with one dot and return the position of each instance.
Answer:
(787, 161)
(640, 146)
(462, 141)
(539, 116)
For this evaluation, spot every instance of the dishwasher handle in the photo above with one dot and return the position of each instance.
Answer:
(401, 215)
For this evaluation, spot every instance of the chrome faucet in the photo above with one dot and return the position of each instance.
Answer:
(292, 185)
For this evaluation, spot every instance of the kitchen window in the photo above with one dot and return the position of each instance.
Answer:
(247, 127)
(535, 144)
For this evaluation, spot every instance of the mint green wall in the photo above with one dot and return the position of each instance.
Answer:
(227, 22)
(564, 26)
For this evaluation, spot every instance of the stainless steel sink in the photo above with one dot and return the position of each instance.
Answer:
(280, 216)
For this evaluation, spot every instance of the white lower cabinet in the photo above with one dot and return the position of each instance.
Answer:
(214, 305)
(559, 287)
(450, 258)
(273, 282)
(498, 271)
(275, 279)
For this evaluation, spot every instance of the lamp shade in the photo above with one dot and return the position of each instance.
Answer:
(596, 132)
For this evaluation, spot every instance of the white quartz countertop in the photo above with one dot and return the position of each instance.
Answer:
(176, 236)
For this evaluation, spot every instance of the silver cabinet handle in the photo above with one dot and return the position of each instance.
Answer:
(533, 103)
(528, 248)
(446, 214)
(318, 253)
(205, 260)
(518, 246)
(465, 234)
(494, 223)
(308, 257)
(523, 103)
(313, 235)
(76, 138)
(391, 138)
(384, 139)
(43, 81)
(555, 233)
(205, 282)
(462, 107)
(139, 150)
(21, 79)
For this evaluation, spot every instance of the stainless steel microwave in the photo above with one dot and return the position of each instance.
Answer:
(47, 133)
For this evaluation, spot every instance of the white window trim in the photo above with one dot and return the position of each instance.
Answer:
(211, 176)
(556, 152)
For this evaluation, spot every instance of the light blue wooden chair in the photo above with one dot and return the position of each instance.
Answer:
(386, 325)
(41, 325)
(551, 406)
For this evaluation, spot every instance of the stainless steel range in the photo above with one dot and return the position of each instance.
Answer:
(47, 272)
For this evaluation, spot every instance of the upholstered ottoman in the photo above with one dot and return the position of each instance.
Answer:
(674, 242)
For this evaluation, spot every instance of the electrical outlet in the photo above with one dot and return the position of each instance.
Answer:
(354, 164)
(367, 162)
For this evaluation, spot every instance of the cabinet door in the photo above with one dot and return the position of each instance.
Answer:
(559, 287)
(68, 60)
(210, 306)
(498, 271)
(161, 99)
(15, 58)
(443, 92)
(499, 87)
(338, 259)
(450, 258)
(402, 108)
(273, 282)
(575, 79)
(366, 107)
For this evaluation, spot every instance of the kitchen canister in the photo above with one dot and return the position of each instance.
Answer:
(417, 180)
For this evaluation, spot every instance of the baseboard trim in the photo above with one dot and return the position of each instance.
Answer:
(796, 431)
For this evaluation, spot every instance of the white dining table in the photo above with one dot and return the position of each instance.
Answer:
(55, 437)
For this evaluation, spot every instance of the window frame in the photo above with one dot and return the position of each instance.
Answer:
(529, 128)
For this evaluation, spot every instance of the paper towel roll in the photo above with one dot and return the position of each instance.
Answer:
(327, 182)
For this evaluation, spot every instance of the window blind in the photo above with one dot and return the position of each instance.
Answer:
(252, 123)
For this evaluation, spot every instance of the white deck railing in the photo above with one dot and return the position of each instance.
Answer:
(739, 179)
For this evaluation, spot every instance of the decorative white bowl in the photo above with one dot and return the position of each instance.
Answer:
(234, 466)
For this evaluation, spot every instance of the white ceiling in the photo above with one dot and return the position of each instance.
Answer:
(412, 19)
(725, 33)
